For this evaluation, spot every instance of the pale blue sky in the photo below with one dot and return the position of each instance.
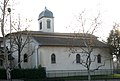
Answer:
(65, 11)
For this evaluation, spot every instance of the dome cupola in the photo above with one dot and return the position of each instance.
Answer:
(45, 13)
(46, 21)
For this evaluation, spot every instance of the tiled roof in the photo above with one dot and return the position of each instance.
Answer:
(70, 41)
(64, 39)
(45, 13)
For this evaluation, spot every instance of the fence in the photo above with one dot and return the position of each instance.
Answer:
(65, 73)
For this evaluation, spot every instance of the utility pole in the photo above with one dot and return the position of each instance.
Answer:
(10, 53)
(9, 10)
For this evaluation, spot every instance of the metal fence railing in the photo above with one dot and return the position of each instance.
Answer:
(64, 73)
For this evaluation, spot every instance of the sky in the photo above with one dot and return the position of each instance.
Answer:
(66, 11)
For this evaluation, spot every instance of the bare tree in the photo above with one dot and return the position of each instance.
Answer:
(18, 41)
(3, 19)
(88, 41)
(3, 8)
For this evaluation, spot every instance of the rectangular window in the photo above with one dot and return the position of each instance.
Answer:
(40, 25)
(48, 24)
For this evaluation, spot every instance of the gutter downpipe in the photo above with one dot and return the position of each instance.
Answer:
(37, 58)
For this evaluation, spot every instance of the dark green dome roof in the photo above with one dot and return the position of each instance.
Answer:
(45, 13)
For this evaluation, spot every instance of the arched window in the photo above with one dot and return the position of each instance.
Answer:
(1, 62)
(48, 24)
(25, 58)
(78, 58)
(53, 58)
(40, 25)
(98, 58)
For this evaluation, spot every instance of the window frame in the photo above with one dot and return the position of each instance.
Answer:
(1, 62)
(40, 25)
(77, 58)
(48, 23)
(53, 59)
(98, 58)
(25, 57)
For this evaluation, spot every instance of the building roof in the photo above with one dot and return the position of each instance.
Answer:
(46, 13)
(63, 39)
(68, 41)
(53, 34)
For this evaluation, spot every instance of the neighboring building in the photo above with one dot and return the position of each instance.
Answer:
(1, 53)
(60, 52)
(2, 57)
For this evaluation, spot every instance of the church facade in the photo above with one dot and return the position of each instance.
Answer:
(61, 52)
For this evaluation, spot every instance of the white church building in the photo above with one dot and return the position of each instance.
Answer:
(62, 54)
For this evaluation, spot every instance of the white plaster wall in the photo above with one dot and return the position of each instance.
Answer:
(44, 25)
(65, 60)
(13, 54)
(29, 48)
(34, 57)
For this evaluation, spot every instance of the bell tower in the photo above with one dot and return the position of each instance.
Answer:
(46, 21)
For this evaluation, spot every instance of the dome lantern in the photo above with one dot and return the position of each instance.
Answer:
(46, 21)
(46, 13)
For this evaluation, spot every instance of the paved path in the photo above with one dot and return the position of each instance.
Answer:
(12, 80)
(69, 80)
(95, 80)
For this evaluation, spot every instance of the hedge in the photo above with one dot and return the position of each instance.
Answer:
(2, 74)
(24, 73)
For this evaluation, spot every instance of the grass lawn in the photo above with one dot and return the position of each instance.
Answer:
(116, 75)
(94, 77)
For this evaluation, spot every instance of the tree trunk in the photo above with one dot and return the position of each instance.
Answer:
(89, 76)
(118, 61)
(19, 59)
(8, 72)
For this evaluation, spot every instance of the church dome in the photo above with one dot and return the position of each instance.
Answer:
(45, 13)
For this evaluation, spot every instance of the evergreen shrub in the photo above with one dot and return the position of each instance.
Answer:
(28, 73)
(3, 74)
(25, 73)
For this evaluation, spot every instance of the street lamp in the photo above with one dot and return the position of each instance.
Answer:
(9, 10)
(9, 55)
